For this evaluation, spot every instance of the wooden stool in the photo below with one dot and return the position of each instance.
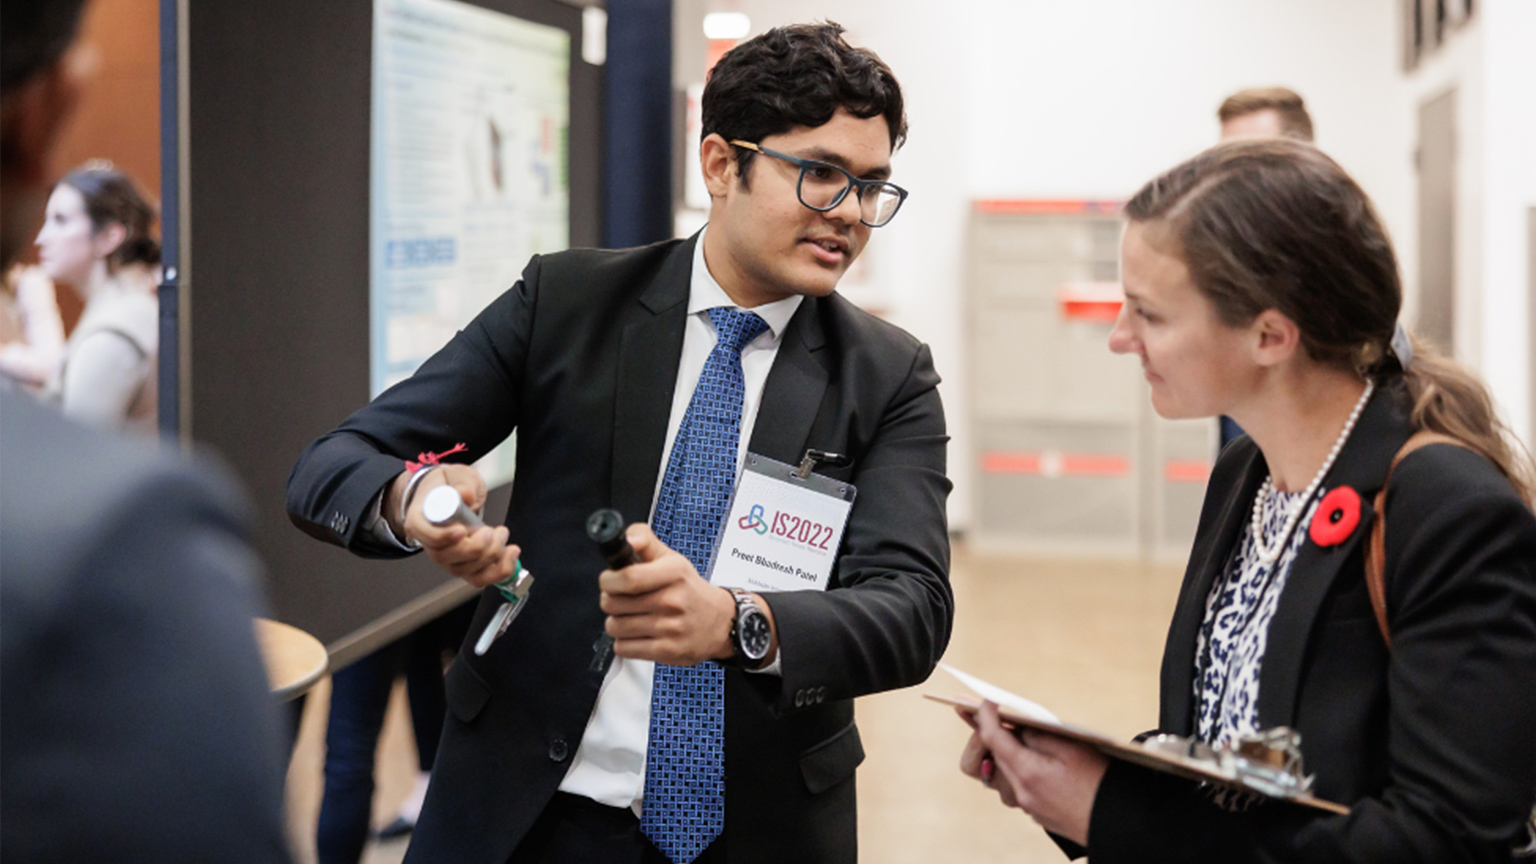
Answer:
(294, 659)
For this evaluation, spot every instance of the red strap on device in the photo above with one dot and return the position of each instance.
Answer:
(432, 458)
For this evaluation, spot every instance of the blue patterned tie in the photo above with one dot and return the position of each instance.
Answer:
(685, 761)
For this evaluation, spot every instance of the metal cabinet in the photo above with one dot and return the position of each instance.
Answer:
(1069, 457)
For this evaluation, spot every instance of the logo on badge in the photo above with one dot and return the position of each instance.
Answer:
(753, 521)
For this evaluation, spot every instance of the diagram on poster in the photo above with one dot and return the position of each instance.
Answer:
(468, 178)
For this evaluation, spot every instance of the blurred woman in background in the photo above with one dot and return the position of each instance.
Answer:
(1260, 284)
(97, 237)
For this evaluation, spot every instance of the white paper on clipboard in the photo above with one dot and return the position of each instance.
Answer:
(998, 696)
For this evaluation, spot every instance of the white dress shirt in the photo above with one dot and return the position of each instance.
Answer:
(609, 766)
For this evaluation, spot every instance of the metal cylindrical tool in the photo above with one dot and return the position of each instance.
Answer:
(444, 505)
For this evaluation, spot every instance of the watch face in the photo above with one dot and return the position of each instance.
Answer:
(755, 634)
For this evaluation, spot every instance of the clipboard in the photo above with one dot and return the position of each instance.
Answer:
(1250, 766)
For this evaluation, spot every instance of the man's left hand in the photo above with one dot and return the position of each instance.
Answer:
(661, 609)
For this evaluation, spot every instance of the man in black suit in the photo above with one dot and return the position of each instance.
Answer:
(604, 363)
(135, 722)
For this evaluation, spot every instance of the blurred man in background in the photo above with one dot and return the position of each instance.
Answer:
(1265, 112)
(135, 723)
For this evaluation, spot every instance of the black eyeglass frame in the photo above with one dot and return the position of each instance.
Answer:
(853, 182)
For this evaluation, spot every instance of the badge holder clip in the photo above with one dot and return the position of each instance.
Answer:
(812, 458)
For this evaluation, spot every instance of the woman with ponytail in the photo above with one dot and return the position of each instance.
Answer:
(1260, 284)
(97, 237)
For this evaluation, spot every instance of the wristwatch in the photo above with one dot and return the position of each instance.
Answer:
(750, 634)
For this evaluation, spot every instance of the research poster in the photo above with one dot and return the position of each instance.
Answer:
(468, 177)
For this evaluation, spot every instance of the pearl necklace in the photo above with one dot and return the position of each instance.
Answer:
(1267, 555)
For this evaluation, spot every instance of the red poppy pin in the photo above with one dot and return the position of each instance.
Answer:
(1336, 517)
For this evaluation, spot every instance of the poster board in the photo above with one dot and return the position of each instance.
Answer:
(276, 300)
(469, 176)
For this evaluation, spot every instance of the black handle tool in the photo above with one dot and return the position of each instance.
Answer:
(606, 528)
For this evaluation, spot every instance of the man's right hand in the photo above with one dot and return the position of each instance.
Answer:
(481, 557)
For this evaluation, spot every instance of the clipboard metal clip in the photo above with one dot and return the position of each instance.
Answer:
(1267, 761)
(811, 458)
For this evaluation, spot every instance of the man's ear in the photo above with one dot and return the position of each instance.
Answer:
(35, 114)
(1277, 338)
(718, 160)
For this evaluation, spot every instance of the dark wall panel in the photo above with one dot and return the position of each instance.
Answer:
(639, 114)
(278, 276)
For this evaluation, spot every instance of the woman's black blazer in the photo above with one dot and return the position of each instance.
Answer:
(1431, 742)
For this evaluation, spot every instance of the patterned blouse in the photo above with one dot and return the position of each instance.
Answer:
(1230, 649)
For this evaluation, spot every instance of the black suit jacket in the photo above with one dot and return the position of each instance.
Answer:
(581, 358)
(1431, 742)
(135, 719)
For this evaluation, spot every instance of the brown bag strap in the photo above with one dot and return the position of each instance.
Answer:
(1376, 549)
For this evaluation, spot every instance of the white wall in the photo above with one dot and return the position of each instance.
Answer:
(1091, 98)
(1492, 68)
(1508, 359)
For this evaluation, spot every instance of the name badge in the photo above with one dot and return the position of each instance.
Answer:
(783, 529)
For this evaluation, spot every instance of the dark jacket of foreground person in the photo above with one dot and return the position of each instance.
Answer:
(135, 720)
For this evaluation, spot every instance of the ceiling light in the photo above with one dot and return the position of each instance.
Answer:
(726, 25)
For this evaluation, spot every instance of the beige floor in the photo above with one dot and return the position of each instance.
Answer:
(1083, 638)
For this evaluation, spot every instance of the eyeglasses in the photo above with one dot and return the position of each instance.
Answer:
(822, 186)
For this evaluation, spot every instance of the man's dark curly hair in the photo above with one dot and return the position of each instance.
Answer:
(797, 76)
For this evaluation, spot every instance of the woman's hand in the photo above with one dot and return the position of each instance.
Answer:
(1052, 779)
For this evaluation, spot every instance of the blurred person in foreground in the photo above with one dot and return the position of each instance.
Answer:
(1260, 112)
(1260, 283)
(97, 236)
(135, 723)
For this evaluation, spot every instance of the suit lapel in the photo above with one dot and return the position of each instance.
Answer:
(793, 391)
(1205, 566)
(1362, 465)
(650, 349)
